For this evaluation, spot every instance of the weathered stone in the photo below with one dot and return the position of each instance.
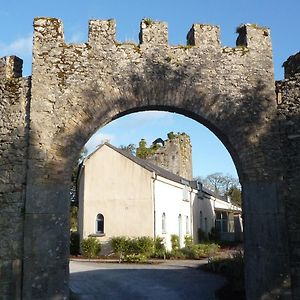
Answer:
(289, 118)
(78, 88)
(175, 155)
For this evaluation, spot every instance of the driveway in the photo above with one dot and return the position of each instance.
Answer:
(172, 280)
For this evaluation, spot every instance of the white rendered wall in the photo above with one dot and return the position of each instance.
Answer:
(169, 200)
(119, 189)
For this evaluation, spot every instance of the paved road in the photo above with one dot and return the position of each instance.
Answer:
(172, 280)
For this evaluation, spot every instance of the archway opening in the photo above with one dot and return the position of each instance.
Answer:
(156, 129)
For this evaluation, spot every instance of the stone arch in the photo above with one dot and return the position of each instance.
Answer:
(78, 88)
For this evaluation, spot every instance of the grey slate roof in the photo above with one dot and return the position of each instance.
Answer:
(158, 170)
(149, 166)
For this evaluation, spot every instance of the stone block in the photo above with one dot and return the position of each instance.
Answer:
(153, 32)
(46, 281)
(48, 198)
(204, 36)
(102, 33)
(262, 198)
(11, 67)
(46, 237)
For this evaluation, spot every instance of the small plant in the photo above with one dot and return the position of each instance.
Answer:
(233, 269)
(148, 21)
(175, 242)
(119, 245)
(159, 248)
(144, 245)
(171, 135)
(90, 247)
(188, 241)
(133, 249)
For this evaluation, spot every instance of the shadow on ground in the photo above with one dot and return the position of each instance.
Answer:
(113, 281)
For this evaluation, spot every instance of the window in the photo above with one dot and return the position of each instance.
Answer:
(100, 223)
(163, 223)
(185, 193)
(187, 225)
(179, 226)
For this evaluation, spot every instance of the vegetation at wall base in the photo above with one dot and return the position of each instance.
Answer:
(74, 243)
(133, 249)
(233, 269)
(142, 248)
(90, 247)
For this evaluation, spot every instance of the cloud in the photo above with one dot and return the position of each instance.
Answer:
(77, 37)
(20, 47)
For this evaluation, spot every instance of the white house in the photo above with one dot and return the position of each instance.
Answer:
(123, 195)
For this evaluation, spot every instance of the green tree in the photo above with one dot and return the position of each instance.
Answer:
(131, 148)
(142, 151)
(235, 195)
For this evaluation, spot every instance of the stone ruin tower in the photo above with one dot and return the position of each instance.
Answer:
(174, 155)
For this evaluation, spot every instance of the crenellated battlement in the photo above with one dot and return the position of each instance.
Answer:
(11, 67)
(76, 89)
(102, 33)
(292, 66)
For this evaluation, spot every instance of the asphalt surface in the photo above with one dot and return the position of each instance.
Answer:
(172, 280)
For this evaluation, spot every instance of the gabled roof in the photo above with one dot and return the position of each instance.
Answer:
(145, 164)
(158, 170)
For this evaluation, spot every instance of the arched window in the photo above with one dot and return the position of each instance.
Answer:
(163, 223)
(100, 223)
(187, 225)
(179, 226)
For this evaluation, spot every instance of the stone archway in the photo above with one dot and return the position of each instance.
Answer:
(79, 88)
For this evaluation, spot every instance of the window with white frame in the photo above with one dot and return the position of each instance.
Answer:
(163, 223)
(100, 224)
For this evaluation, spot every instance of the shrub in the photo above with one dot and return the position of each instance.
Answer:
(201, 235)
(214, 235)
(159, 248)
(132, 249)
(188, 241)
(135, 258)
(199, 251)
(90, 247)
(233, 269)
(175, 242)
(74, 243)
(177, 254)
(143, 245)
(119, 245)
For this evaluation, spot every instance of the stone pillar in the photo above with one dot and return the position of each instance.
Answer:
(289, 120)
(14, 124)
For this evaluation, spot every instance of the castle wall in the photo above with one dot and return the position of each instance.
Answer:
(14, 110)
(288, 96)
(78, 88)
(175, 156)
